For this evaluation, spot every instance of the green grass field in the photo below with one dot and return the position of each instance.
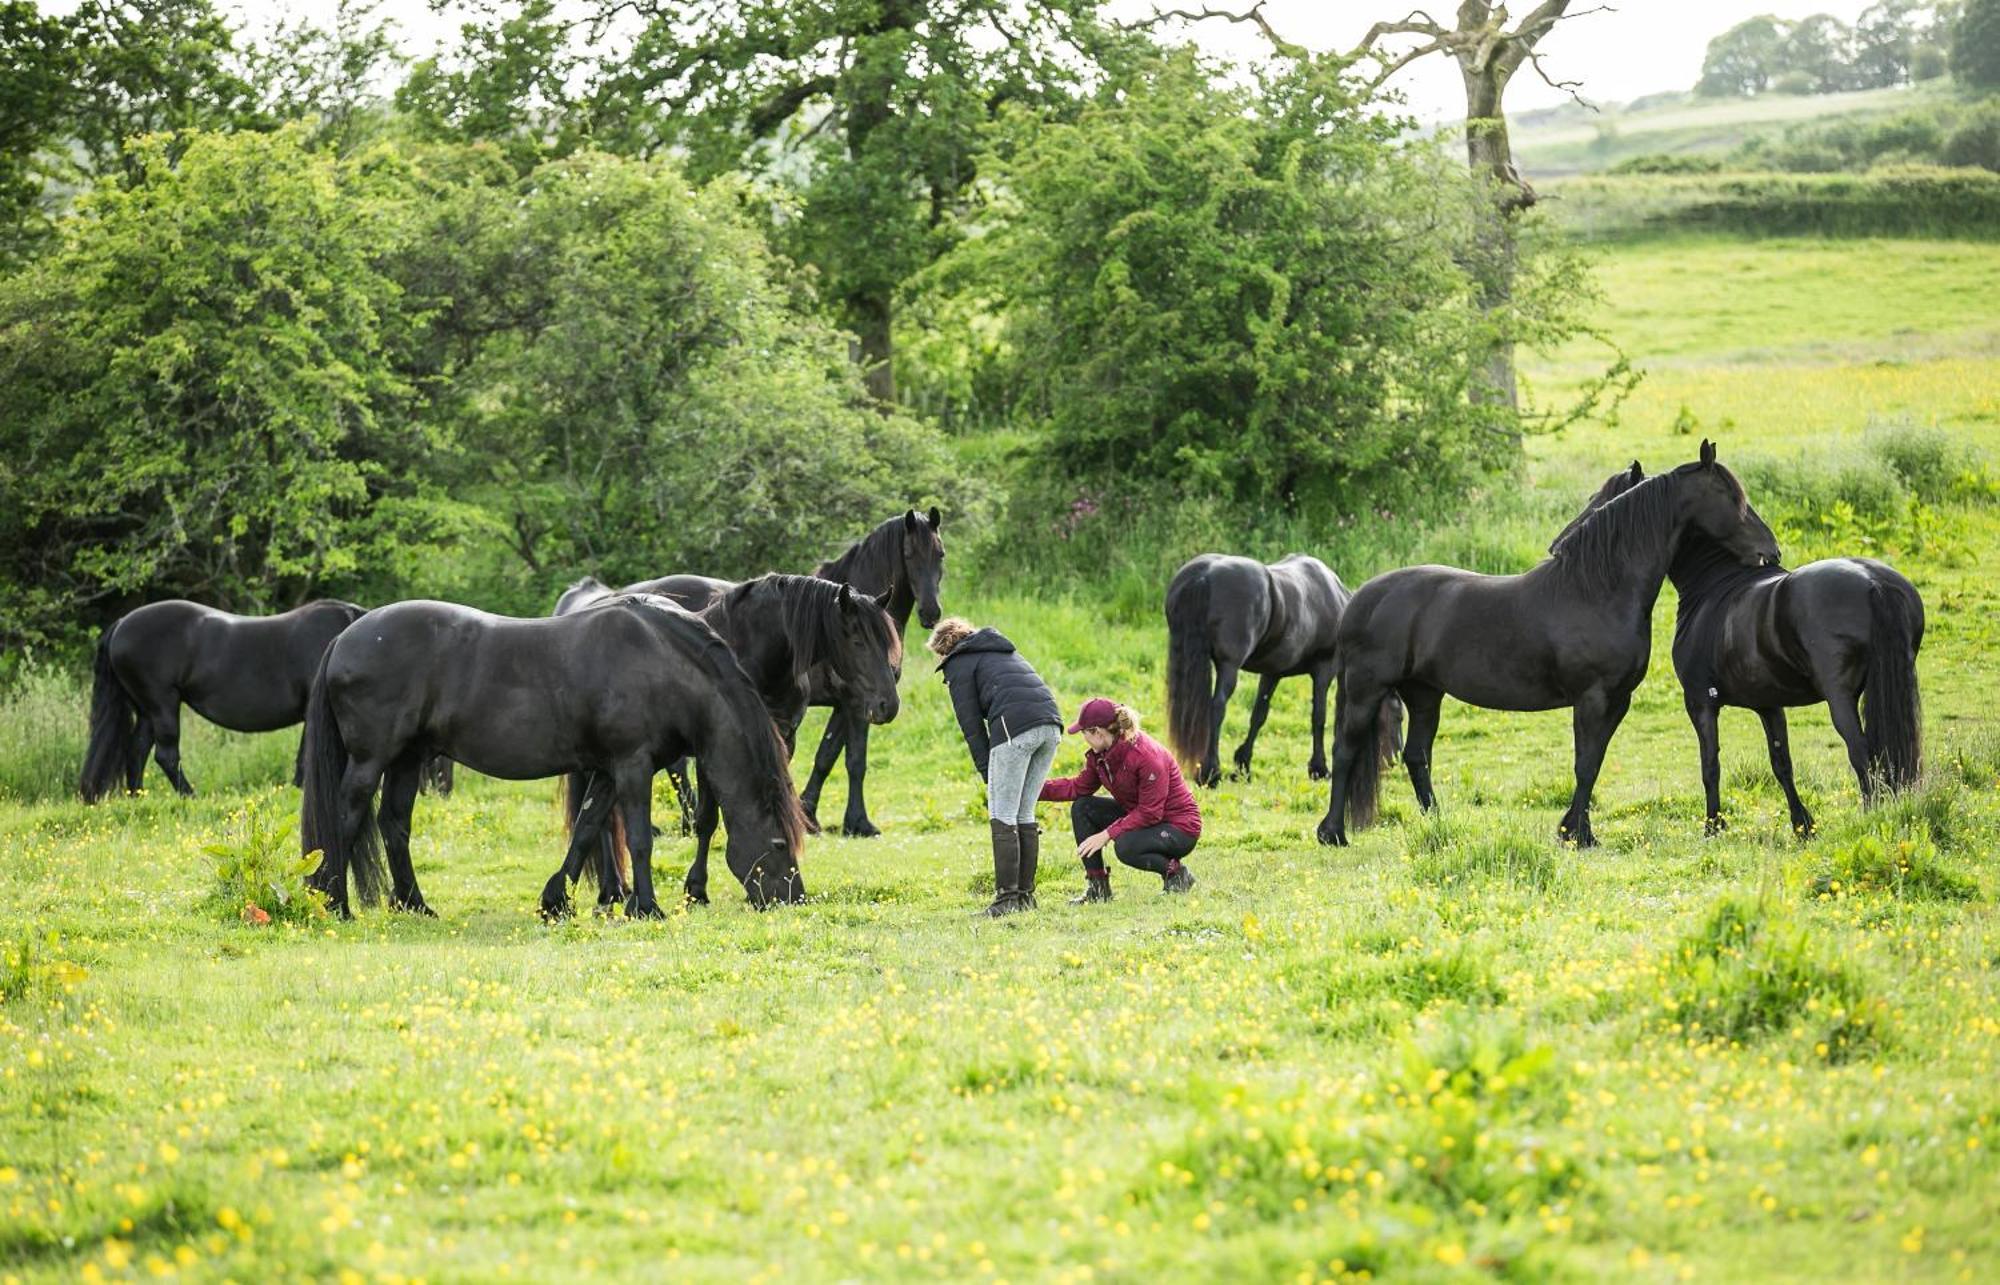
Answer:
(1454, 1050)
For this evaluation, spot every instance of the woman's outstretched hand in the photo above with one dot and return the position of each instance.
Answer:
(1093, 844)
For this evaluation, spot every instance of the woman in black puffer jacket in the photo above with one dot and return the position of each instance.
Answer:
(1012, 728)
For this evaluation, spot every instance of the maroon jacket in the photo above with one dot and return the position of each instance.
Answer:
(1142, 777)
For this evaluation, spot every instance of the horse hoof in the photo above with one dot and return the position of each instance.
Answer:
(696, 896)
(865, 829)
(556, 912)
(1805, 829)
(416, 907)
(636, 909)
(1332, 836)
(1715, 825)
(1317, 772)
(812, 824)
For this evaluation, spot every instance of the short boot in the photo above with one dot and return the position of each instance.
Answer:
(1176, 878)
(1006, 870)
(1096, 887)
(1031, 856)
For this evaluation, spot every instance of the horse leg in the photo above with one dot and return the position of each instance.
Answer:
(706, 811)
(856, 825)
(166, 723)
(357, 791)
(1355, 712)
(1703, 714)
(1322, 679)
(135, 761)
(1425, 705)
(1779, 738)
(1840, 703)
(1209, 770)
(399, 803)
(831, 742)
(1260, 709)
(1594, 719)
(635, 805)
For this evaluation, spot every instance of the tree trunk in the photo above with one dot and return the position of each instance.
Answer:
(1491, 158)
(873, 347)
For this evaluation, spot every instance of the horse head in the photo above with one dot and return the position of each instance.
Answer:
(867, 654)
(1709, 500)
(923, 562)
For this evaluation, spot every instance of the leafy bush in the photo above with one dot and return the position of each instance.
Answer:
(260, 876)
(33, 969)
(1883, 862)
(1667, 163)
(1442, 853)
(1750, 971)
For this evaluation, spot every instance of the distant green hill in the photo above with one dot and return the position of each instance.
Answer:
(1573, 140)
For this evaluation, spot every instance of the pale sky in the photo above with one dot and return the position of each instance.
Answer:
(1637, 47)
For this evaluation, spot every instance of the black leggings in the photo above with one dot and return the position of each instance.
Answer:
(1147, 848)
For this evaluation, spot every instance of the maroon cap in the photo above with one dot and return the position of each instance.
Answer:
(1096, 712)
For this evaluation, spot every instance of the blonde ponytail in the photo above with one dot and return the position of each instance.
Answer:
(1125, 723)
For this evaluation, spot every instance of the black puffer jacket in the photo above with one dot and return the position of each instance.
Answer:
(996, 694)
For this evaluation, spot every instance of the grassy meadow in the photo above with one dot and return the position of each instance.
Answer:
(1452, 1051)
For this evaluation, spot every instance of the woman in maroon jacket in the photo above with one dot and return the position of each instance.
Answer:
(1150, 820)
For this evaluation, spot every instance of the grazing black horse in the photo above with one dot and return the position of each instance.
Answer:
(781, 629)
(1275, 620)
(616, 692)
(245, 673)
(1764, 638)
(1576, 630)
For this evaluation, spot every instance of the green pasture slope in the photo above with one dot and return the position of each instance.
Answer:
(1452, 1051)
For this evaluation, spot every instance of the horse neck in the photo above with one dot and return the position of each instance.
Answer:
(1623, 552)
(754, 627)
(874, 565)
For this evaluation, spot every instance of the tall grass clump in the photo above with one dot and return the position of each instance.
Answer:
(43, 716)
(1446, 854)
(1750, 971)
(1935, 466)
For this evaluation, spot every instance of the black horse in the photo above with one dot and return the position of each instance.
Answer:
(1276, 620)
(782, 629)
(245, 673)
(1575, 631)
(1764, 638)
(615, 692)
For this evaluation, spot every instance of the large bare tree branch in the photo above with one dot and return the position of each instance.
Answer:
(1254, 15)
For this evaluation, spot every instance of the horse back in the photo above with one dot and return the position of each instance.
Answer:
(246, 673)
(1223, 600)
(1303, 627)
(695, 593)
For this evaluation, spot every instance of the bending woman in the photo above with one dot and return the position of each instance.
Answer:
(1012, 727)
(1150, 820)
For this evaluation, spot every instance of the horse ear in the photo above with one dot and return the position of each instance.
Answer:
(846, 593)
(937, 519)
(1707, 451)
(1638, 474)
(910, 521)
(882, 599)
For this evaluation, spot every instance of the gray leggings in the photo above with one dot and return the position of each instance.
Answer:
(1015, 771)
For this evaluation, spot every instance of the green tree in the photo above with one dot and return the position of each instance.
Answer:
(35, 73)
(1745, 59)
(508, 81)
(1975, 44)
(647, 384)
(200, 396)
(1256, 295)
(328, 74)
(874, 111)
(1821, 48)
(150, 67)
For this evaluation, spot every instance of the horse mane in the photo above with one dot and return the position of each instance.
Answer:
(1595, 549)
(871, 564)
(770, 770)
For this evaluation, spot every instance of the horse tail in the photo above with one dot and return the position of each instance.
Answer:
(614, 859)
(113, 718)
(320, 827)
(1893, 722)
(1364, 771)
(1190, 675)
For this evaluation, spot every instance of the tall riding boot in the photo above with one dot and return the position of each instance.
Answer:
(1031, 855)
(1006, 870)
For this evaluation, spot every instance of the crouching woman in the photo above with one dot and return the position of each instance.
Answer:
(1012, 727)
(1150, 820)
